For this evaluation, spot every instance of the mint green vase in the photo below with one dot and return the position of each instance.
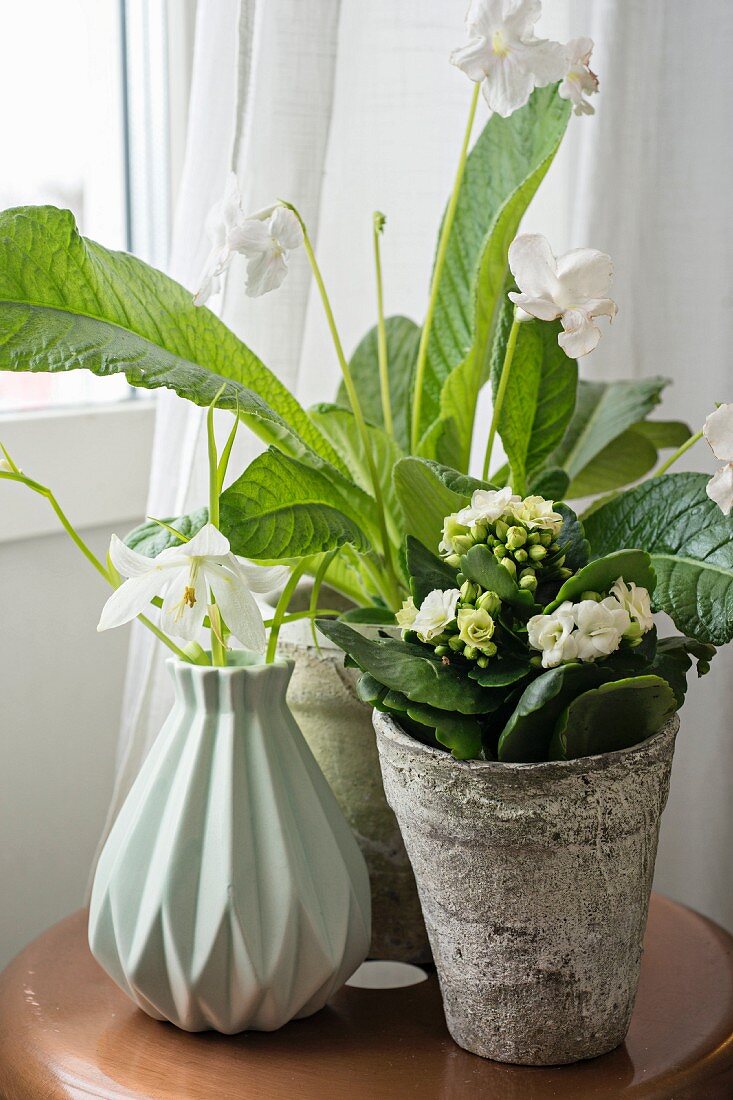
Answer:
(230, 894)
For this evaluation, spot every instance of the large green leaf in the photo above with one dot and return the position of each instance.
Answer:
(412, 670)
(428, 492)
(603, 411)
(280, 508)
(613, 716)
(527, 735)
(151, 539)
(690, 543)
(461, 733)
(600, 574)
(426, 571)
(67, 302)
(403, 337)
(628, 457)
(504, 169)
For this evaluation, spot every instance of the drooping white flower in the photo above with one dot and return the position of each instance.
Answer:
(184, 576)
(407, 614)
(504, 55)
(574, 288)
(718, 430)
(265, 238)
(635, 600)
(601, 626)
(536, 512)
(436, 611)
(554, 635)
(579, 80)
(487, 504)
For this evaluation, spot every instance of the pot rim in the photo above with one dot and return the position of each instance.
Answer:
(249, 664)
(389, 729)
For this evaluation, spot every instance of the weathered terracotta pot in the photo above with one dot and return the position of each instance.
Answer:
(534, 881)
(338, 729)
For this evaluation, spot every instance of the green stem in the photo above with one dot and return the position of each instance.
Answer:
(382, 331)
(500, 394)
(677, 454)
(282, 606)
(296, 616)
(391, 576)
(422, 351)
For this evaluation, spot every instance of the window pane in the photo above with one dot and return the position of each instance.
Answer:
(62, 135)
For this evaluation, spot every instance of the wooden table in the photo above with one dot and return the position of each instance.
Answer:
(66, 1031)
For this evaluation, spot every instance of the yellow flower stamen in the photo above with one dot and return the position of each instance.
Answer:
(498, 44)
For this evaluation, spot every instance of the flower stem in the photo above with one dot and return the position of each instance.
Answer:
(500, 395)
(677, 454)
(378, 227)
(391, 576)
(282, 606)
(450, 214)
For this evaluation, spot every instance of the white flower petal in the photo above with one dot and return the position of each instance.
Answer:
(128, 562)
(178, 617)
(208, 542)
(718, 430)
(542, 308)
(581, 336)
(131, 599)
(520, 16)
(484, 16)
(534, 267)
(507, 86)
(720, 488)
(261, 578)
(251, 238)
(545, 60)
(265, 273)
(584, 273)
(473, 59)
(238, 607)
(286, 229)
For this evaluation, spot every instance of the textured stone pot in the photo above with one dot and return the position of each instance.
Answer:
(534, 881)
(338, 729)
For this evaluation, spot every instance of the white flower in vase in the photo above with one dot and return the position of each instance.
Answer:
(718, 431)
(437, 610)
(553, 635)
(184, 576)
(504, 55)
(579, 80)
(573, 287)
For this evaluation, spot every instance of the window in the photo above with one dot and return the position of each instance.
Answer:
(86, 127)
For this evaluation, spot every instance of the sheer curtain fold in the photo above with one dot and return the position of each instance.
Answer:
(343, 108)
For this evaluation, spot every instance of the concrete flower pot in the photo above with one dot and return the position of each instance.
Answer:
(338, 729)
(534, 881)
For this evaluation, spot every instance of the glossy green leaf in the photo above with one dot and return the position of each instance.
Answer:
(376, 616)
(403, 337)
(426, 571)
(526, 736)
(504, 169)
(67, 303)
(501, 671)
(690, 543)
(151, 539)
(673, 661)
(571, 538)
(428, 492)
(612, 716)
(481, 567)
(600, 574)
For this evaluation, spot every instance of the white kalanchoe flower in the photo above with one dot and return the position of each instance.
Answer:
(437, 610)
(573, 287)
(504, 55)
(636, 601)
(487, 504)
(579, 80)
(406, 615)
(183, 576)
(554, 635)
(536, 512)
(601, 626)
(476, 628)
(718, 431)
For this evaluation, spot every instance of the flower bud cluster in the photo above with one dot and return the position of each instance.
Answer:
(470, 632)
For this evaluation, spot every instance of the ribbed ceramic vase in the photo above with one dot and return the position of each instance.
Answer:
(534, 881)
(230, 894)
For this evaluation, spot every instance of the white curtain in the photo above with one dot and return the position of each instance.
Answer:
(346, 107)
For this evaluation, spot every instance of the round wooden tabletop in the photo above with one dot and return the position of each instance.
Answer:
(66, 1031)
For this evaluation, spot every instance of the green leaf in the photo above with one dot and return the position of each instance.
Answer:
(426, 571)
(613, 716)
(428, 492)
(67, 302)
(603, 411)
(151, 539)
(339, 428)
(539, 400)
(526, 736)
(376, 616)
(500, 672)
(673, 661)
(411, 669)
(599, 575)
(664, 433)
(403, 337)
(551, 483)
(481, 567)
(280, 508)
(571, 538)
(503, 171)
(625, 459)
(690, 543)
(457, 732)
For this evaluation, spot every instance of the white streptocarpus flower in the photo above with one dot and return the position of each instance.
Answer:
(504, 55)
(184, 575)
(487, 504)
(718, 431)
(265, 238)
(579, 80)
(635, 600)
(436, 611)
(554, 635)
(601, 626)
(536, 512)
(574, 288)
